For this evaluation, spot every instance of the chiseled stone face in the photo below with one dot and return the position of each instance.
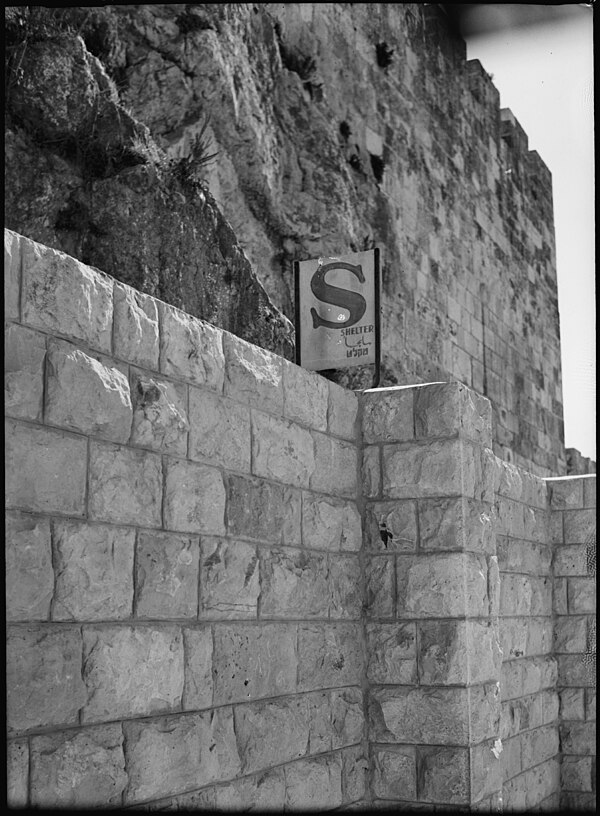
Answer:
(78, 768)
(43, 677)
(63, 295)
(169, 754)
(28, 563)
(194, 498)
(229, 579)
(125, 485)
(443, 775)
(342, 411)
(281, 450)
(314, 784)
(305, 396)
(135, 334)
(253, 376)
(190, 349)
(392, 655)
(335, 469)
(219, 430)
(330, 524)
(45, 469)
(395, 774)
(24, 354)
(329, 655)
(343, 577)
(260, 792)
(131, 671)
(198, 651)
(293, 584)
(94, 571)
(12, 274)
(159, 414)
(263, 511)
(388, 415)
(166, 576)
(391, 526)
(17, 773)
(250, 662)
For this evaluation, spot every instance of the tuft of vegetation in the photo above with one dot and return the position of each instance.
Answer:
(193, 19)
(305, 67)
(188, 169)
(385, 55)
(345, 130)
(378, 167)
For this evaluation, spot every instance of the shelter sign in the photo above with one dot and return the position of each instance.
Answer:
(337, 311)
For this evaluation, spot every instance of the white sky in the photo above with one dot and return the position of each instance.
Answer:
(544, 73)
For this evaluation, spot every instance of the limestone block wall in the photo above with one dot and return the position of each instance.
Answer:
(432, 584)
(232, 583)
(529, 721)
(183, 536)
(573, 528)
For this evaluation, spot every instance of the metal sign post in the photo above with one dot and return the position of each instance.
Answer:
(337, 312)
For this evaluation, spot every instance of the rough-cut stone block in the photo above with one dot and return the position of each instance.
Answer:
(560, 605)
(131, 671)
(166, 576)
(572, 671)
(262, 792)
(529, 789)
(28, 564)
(229, 579)
(335, 469)
(305, 396)
(458, 652)
(541, 596)
(170, 754)
(45, 469)
(342, 411)
(347, 719)
(371, 472)
(135, 333)
(263, 511)
(330, 524)
(579, 525)
(159, 414)
(572, 702)
(555, 527)
(582, 596)
(392, 653)
(293, 584)
(125, 486)
(519, 715)
(12, 274)
(565, 492)
(63, 296)
(511, 757)
(421, 716)
(84, 394)
(515, 595)
(570, 634)
(250, 662)
(329, 655)
(590, 704)
(281, 450)
(570, 560)
(578, 774)
(190, 349)
(380, 587)
(344, 579)
(94, 571)
(538, 745)
(198, 651)
(253, 375)
(446, 467)
(589, 491)
(395, 773)
(77, 769)
(440, 586)
(354, 768)
(272, 732)
(486, 770)
(194, 500)
(43, 677)
(391, 526)
(443, 775)
(571, 802)
(24, 353)
(17, 773)
(314, 784)
(388, 414)
(456, 524)
(219, 430)
(447, 409)
(523, 557)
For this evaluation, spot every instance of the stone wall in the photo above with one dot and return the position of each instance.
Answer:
(338, 126)
(232, 583)
(183, 587)
(573, 529)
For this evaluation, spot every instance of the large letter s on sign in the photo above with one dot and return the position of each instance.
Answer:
(352, 301)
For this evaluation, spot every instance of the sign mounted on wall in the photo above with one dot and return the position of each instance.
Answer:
(337, 311)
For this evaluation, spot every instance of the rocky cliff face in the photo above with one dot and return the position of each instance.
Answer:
(338, 127)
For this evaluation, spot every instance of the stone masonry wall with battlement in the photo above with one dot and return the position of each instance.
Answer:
(233, 583)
